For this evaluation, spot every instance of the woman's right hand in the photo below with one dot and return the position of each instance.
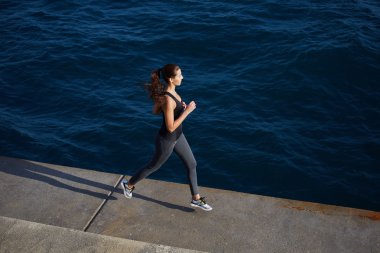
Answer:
(190, 107)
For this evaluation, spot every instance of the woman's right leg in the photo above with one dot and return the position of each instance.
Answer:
(164, 149)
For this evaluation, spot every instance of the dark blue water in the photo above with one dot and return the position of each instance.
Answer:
(288, 95)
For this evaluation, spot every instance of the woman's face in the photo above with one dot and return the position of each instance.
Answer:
(177, 79)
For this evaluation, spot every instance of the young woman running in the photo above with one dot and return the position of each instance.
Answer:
(170, 137)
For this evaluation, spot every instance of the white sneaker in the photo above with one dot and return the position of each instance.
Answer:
(201, 203)
(126, 189)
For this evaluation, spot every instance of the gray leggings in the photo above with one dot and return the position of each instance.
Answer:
(164, 148)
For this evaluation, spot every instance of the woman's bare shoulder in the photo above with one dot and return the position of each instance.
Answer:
(169, 103)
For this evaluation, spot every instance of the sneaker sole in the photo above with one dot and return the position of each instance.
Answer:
(122, 186)
(207, 210)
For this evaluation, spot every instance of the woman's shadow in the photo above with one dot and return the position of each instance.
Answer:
(30, 170)
(34, 171)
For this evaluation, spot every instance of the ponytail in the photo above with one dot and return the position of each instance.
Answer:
(156, 88)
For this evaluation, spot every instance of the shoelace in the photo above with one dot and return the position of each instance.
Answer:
(202, 200)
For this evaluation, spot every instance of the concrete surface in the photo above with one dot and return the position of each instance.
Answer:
(51, 194)
(25, 236)
(160, 213)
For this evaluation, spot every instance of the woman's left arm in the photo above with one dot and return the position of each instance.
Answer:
(156, 108)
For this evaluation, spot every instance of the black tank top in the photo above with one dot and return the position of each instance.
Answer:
(178, 110)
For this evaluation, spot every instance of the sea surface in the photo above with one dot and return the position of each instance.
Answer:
(287, 92)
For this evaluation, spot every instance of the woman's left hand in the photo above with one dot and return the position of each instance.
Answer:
(184, 105)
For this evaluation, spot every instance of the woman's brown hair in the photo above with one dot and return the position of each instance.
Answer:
(156, 89)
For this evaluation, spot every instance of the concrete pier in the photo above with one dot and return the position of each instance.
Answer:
(52, 208)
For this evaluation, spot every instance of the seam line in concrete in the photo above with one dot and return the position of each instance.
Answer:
(97, 211)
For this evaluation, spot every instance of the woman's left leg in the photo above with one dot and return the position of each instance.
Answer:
(183, 150)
